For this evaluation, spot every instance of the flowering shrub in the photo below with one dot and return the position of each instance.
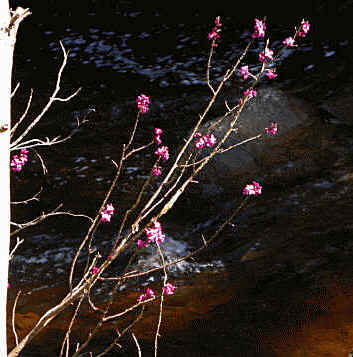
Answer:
(150, 207)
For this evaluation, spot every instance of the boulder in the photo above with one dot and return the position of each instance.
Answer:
(295, 120)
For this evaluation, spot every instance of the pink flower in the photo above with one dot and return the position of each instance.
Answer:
(200, 143)
(168, 289)
(156, 171)
(18, 161)
(272, 130)
(95, 270)
(8, 285)
(142, 244)
(260, 28)
(197, 135)
(214, 35)
(148, 295)
(142, 103)
(250, 92)
(305, 26)
(208, 140)
(163, 152)
(266, 55)
(254, 189)
(158, 140)
(155, 233)
(244, 71)
(271, 74)
(158, 131)
(289, 41)
(106, 217)
(107, 213)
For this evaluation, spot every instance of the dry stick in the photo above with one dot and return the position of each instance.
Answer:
(161, 303)
(15, 90)
(18, 243)
(23, 115)
(43, 217)
(137, 345)
(52, 99)
(33, 198)
(114, 343)
(13, 317)
(67, 335)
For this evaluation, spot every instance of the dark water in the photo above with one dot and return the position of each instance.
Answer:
(115, 53)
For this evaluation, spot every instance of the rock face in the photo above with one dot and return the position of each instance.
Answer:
(295, 120)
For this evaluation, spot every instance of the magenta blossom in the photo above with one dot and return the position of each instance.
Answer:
(148, 295)
(244, 71)
(289, 41)
(168, 289)
(214, 35)
(260, 28)
(155, 234)
(271, 74)
(272, 130)
(207, 140)
(250, 92)
(254, 189)
(107, 213)
(305, 26)
(142, 244)
(156, 171)
(142, 103)
(266, 55)
(18, 161)
(163, 152)
(95, 270)
(158, 131)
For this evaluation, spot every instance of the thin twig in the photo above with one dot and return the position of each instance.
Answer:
(13, 316)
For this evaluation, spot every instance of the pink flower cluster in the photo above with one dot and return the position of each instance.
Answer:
(95, 270)
(214, 35)
(107, 213)
(142, 103)
(289, 41)
(250, 92)
(163, 152)
(148, 295)
(254, 189)
(305, 27)
(244, 71)
(168, 289)
(18, 161)
(272, 130)
(271, 73)
(267, 54)
(157, 139)
(260, 28)
(154, 234)
(207, 140)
